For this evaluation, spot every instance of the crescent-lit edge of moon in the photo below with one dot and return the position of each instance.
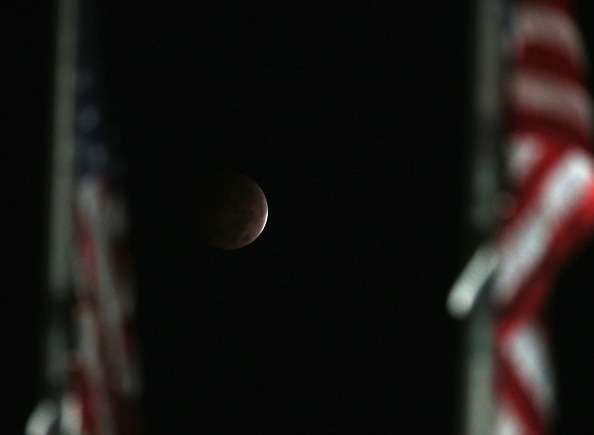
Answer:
(266, 216)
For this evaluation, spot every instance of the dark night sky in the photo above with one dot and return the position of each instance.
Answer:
(352, 117)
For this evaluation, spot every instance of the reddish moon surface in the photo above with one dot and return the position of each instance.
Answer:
(232, 210)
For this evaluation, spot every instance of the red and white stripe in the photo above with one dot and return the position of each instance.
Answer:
(106, 369)
(551, 174)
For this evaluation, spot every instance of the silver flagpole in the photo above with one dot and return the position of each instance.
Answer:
(469, 297)
(46, 417)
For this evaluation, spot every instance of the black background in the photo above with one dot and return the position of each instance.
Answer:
(353, 118)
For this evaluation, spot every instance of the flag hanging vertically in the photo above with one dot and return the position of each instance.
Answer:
(105, 359)
(106, 366)
(550, 171)
(94, 384)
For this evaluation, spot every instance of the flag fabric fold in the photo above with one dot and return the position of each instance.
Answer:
(550, 172)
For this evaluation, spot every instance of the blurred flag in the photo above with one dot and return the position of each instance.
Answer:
(96, 385)
(551, 175)
(105, 358)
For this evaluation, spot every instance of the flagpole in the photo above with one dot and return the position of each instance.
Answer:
(469, 297)
(62, 174)
(60, 238)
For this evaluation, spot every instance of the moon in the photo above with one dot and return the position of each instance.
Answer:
(232, 210)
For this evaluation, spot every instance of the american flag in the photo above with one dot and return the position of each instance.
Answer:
(105, 361)
(550, 172)
(92, 341)
(106, 365)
